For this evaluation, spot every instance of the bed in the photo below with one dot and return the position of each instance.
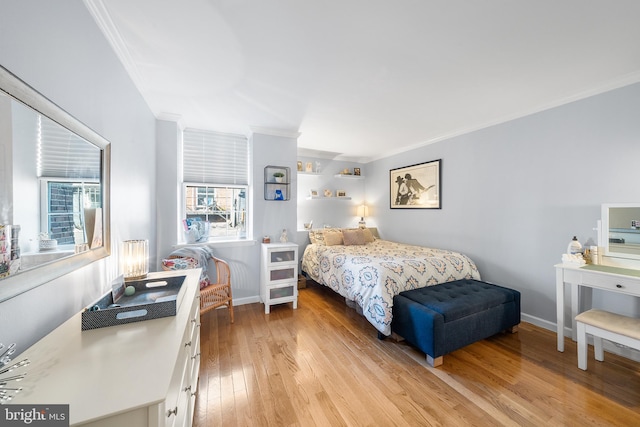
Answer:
(370, 271)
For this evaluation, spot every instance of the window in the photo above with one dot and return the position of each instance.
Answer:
(69, 169)
(224, 208)
(64, 208)
(216, 177)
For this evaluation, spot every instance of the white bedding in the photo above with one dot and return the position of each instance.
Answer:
(372, 274)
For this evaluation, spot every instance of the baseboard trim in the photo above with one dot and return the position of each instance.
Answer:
(247, 300)
(610, 347)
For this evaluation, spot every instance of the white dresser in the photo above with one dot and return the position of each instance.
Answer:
(279, 274)
(137, 374)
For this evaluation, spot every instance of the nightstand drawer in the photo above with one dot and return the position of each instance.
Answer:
(282, 292)
(279, 274)
(282, 256)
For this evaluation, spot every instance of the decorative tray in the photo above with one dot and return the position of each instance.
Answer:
(152, 299)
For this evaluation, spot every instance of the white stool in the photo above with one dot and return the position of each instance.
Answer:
(610, 326)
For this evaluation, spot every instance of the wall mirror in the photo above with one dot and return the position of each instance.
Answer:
(54, 190)
(621, 230)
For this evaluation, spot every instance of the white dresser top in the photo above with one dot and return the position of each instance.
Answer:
(106, 371)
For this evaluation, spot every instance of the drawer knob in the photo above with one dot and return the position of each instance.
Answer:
(618, 286)
(187, 344)
(187, 388)
(173, 411)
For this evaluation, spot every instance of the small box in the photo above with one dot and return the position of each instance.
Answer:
(153, 298)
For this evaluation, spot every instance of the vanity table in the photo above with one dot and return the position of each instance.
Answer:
(137, 374)
(583, 280)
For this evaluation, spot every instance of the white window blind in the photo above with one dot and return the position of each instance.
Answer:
(62, 154)
(215, 158)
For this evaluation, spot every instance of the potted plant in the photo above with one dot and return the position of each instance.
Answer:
(279, 176)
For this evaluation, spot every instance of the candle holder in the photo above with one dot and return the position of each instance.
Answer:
(135, 259)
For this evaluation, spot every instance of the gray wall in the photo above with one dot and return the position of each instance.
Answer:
(57, 48)
(513, 195)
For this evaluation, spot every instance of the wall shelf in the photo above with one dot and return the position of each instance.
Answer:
(277, 188)
(327, 198)
(342, 175)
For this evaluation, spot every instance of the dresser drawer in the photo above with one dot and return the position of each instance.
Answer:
(177, 412)
(175, 401)
(618, 284)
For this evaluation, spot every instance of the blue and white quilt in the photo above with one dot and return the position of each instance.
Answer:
(372, 274)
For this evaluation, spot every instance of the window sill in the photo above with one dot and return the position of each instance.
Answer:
(218, 243)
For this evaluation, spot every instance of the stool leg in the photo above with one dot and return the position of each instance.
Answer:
(599, 350)
(582, 346)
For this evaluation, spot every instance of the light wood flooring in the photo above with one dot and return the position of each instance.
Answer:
(323, 365)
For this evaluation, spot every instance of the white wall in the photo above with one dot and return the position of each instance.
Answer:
(169, 187)
(514, 194)
(57, 48)
(267, 217)
(331, 211)
(25, 181)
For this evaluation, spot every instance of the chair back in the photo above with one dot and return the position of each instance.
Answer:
(223, 272)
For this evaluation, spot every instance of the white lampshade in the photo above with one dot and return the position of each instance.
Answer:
(362, 212)
(135, 259)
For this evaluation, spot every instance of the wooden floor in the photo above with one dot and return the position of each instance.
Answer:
(323, 365)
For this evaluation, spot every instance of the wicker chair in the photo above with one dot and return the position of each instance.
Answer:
(213, 294)
(219, 293)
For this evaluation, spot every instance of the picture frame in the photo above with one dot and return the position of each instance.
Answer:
(308, 167)
(313, 193)
(356, 171)
(341, 193)
(299, 166)
(417, 186)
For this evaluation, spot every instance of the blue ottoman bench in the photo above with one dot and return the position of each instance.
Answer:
(442, 318)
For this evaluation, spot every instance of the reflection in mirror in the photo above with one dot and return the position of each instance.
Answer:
(621, 226)
(53, 190)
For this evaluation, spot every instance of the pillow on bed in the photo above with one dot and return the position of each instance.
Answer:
(353, 237)
(316, 237)
(332, 237)
(368, 235)
(374, 232)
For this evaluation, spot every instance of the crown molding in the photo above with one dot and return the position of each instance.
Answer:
(284, 133)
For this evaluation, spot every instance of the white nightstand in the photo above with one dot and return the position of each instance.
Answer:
(279, 274)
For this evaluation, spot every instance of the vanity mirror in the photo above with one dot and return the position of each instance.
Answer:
(54, 190)
(621, 230)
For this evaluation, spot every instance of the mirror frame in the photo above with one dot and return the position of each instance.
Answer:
(24, 281)
(605, 230)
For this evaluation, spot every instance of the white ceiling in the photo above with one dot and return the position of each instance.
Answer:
(368, 78)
